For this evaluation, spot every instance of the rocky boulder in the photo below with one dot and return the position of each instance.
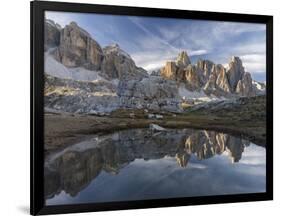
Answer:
(154, 93)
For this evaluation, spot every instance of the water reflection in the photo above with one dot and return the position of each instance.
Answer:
(129, 163)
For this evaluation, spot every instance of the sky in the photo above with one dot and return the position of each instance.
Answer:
(152, 41)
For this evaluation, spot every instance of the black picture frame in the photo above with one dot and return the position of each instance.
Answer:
(37, 110)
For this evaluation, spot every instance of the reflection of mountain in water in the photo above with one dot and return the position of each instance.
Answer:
(75, 167)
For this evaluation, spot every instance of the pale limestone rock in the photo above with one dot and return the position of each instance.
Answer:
(51, 34)
(235, 72)
(205, 68)
(222, 79)
(118, 64)
(170, 70)
(244, 86)
(192, 78)
(183, 60)
(78, 49)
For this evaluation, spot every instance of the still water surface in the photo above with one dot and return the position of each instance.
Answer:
(141, 164)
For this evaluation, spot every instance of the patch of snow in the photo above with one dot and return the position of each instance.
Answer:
(54, 111)
(186, 94)
(56, 69)
(83, 74)
(154, 116)
(258, 85)
(156, 127)
(157, 116)
(200, 95)
(100, 94)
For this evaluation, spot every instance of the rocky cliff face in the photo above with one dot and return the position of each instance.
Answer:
(204, 68)
(212, 78)
(117, 64)
(183, 60)
(78, 49)
(51, 34)
(235, 72)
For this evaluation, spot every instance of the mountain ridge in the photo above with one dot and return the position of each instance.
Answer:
(71, 53)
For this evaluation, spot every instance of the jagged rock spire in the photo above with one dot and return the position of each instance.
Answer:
(235, 71)
(183, 59)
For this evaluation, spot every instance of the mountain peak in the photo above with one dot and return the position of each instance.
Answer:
(183, 59)
(73, 23)
(114, 45)
(115, 48)
(236, 59)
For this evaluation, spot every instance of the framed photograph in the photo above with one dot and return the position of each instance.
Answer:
(139, 107)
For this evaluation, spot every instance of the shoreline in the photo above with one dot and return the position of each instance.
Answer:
(62, 130)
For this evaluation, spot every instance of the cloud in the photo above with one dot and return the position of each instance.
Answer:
(62, 18)
(153, 36)
(254, 63)
(254, 48)
(197, 52)
(236, 28)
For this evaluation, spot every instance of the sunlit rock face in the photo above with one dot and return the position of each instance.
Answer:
(78, 49)
(222, 80)
(183, 60)
(212, 78)
(205, 68)
(72, 169)
(192, 78)
(235, 71)
(170, 70)
(244, 86)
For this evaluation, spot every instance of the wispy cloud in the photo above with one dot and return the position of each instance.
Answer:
(255, 63)
(153, 36)
(62, 18)
(153, 41)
